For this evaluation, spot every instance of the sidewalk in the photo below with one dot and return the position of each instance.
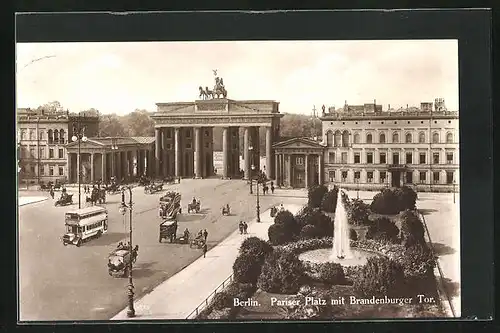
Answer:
(30, 200)
(178, 296)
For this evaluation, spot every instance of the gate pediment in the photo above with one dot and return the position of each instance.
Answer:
(298, 143)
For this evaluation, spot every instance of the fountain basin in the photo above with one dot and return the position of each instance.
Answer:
(320, 256)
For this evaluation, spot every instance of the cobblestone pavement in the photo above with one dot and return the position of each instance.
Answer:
(70, 283)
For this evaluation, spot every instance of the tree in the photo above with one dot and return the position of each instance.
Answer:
(54, 106)
(138, 123)
(111, 125)
(315, 195)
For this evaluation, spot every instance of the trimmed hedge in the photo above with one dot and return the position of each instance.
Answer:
(383, 229)
(329, 200)
(412, 229)
(282, 272)
(310, 231)
(246, 268)
(394, 200)
(380, 277)
(257, 247)
(357, 212)
(315, 195)
(222, 304)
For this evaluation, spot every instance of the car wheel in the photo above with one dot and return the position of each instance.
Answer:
(65, 244)
(79, 243)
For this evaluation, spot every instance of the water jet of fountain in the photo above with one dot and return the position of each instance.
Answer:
(341, 244)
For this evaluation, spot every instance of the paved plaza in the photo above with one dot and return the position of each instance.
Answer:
(177, 297)
(69, 283)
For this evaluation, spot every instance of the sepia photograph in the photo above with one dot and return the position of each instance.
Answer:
(238, 180)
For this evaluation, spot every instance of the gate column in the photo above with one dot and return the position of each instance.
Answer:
(225, 152)
(246, 152)
(197, 138)
(157, 151)
(177, 152)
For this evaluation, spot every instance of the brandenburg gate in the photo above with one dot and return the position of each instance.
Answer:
(184, 136)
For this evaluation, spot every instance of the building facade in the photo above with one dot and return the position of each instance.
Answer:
(41, 140)
(184, 136)
(368, 148)
(103, 158)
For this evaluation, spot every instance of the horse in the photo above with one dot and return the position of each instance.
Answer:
(219, 91)
(203, 93)
(209, 93)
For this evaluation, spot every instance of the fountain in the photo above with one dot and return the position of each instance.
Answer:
(341, 253)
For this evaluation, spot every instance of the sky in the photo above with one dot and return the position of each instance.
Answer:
(121, 77)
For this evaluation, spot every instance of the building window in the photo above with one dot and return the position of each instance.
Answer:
(422, 158)
(409, 177)
(299, 160)
(435, 138)
(395, 138)
(357, 158)
(395, 158)
(449, 158)
(188, 133)
(51, 171)
(421, 138)
(344, 158)
(50, 136)
(61, 171)
(32, 152)
(357, 175)
(61, 136)
(409, 158)
(61, 153)
(344, 176)
(169, 133)
(449, 177)
(383, 177)
(40, 135)
(369, 158)
(331, 175)
(383, 158)
(188, 145)
(168, 145)
(423, 176)
(435, 158)
(42, 170)
(345, 139)
(408, 138)
(32, 134)
(449, 138)
(369, 138)
(435, 177)
(56, 136)
(331, 157)
(42, 152)
(51, 152)
(369, 176)
(33, 170)
(356, 138)
(329, 139)
(235, 146)
(206, 144)
(23, 135)
(207, 133)
(337, 139)
(382, 138)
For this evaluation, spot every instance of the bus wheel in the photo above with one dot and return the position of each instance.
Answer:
(79, 243)
(99, 234)
(65, 244)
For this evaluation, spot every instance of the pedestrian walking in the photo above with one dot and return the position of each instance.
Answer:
(241, 227)
(52, 192)
(245, 227)
(204, 250)
(272, 188)
(205, 234)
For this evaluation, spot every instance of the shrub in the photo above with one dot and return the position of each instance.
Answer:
(309, 231)
(287, 219)
(329, 200)
(256, 247)
(331, 273)
(379, 277)
(308, 244)
(282, 272)
(383, 227)
(246, 268)
(315, 195)
(311, 216)
(394, 200)
(357, 212)
(353, 234)
(324, 224)
(304, 216)
(419, 262)
(412, 229)
(278, 234)
(222, 300)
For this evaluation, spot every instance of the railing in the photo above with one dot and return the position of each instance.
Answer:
(206, 301)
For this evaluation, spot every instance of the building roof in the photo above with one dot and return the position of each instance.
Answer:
(298, 142)
(144, 139)
(119, 141)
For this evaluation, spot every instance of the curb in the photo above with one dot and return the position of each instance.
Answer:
(32, 202)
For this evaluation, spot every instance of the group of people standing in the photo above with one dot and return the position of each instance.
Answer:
(243, 226)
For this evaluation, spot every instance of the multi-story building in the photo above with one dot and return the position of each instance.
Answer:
(41, 140)
(368, 148)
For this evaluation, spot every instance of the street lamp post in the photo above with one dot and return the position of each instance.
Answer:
(257, 190)
(79, 135)
(130, 290)
(250, 149)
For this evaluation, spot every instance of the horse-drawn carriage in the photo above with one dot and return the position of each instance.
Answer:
(168, 230)
(64, 200)
(226, 210)
(152, 188)
(197, 242)
(194, 207)
(170, 205)
(97, 196)
(119, 261)
(143, 181)
(112, 188)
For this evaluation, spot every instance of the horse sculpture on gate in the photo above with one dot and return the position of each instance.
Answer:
(219, 90)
